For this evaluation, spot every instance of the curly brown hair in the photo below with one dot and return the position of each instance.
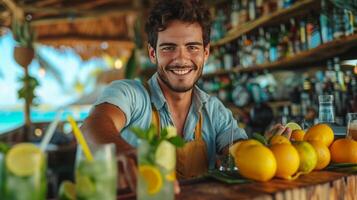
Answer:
(165, 11)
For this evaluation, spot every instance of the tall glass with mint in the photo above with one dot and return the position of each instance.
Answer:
(25, 173)
(157, 163)
(97, 178)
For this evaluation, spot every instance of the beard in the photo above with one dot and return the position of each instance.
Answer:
(180, 88)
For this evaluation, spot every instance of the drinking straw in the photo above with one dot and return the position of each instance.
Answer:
(80, 139)
(50, 130)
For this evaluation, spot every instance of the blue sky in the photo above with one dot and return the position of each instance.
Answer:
(72, 69)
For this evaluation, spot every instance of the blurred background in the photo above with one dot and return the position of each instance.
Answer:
(270, 59)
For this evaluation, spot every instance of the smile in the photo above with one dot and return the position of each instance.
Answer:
(181, 71)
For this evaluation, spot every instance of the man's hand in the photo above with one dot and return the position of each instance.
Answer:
(278, 129)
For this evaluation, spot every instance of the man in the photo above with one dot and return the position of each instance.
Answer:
(178, 33)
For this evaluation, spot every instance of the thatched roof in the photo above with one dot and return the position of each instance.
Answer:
(91, 27)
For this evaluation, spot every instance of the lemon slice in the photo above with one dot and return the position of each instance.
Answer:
(152, 178)
(84, 186)
(293, 126)
(67, 191)
(171, 176)
(24, 159)
(165, 155)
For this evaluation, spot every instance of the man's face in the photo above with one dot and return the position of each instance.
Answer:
(180, 55)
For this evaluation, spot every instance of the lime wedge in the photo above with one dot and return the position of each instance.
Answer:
(293, 126)
(165, 155)
(84, 186)
(24, 159)
(67, 191)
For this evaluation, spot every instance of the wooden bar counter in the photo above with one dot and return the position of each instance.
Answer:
(321, 185)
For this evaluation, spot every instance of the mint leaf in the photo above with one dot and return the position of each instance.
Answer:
(177, 141)
(140, 133)
(260, 138)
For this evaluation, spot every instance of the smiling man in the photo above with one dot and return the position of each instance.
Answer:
(178, 36)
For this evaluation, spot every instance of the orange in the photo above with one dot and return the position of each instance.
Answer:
(256, 162)
(323, 154)
(297, 135)
(320, 132)
(279, 139)
(344, 151)
(287, 159)
(235, 148)
(307, 155)
(152, 177)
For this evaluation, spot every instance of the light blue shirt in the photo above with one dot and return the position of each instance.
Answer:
(133, 99)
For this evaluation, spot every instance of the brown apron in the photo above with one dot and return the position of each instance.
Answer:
(191, 159)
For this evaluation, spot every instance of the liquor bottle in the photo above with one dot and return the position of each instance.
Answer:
(283, 42)
(313, 32)
(261, 48)
(288, 3)
(338, 23)
(235, 13)
(348, 22)
(303, 37)
(243, 14)
(252, 10)
(259, 8)
(273, 45)
(326, 27)
(228, 57)
(294, 42)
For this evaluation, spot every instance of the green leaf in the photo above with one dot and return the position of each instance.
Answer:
(177, 141)
(4, 147)
(164, 134)
(139, 133)
(260, 138)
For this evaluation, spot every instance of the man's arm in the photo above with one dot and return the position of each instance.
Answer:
(104, 124)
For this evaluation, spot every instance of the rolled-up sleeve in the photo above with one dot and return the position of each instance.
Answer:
(128, 96)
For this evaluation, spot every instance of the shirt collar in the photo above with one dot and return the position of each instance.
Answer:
(157, 98)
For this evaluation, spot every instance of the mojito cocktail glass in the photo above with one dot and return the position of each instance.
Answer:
(96, 179)
(156, 171)
(25, 173)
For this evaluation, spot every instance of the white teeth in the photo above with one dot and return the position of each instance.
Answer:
(181, 72)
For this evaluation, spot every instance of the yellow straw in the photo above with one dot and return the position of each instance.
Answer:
(79, 136)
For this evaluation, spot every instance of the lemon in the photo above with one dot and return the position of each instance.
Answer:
(171, 131)
(84, 186)
(293, 126)
(256, 162)
(67, 191)
(152, 177)
(24, 159)
(308, 156)
(279, 139)
(171, 176)
(165, 155)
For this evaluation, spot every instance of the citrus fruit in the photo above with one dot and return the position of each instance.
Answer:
(165, 155)
(236, 147)
(287, 159)
(171, 176)
(323, 154)
(67, 191)
(307, 155)
(297, 135)
(256, 162)
(152, 177)
(24, 159)
(320, 132)
(84, 186)
(279, 139)
(171, 131)
(344, 151)
(293, 126)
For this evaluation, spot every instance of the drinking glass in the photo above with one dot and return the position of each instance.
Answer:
(352, 125)
(96, 179)
(326, 110)
(26, 186)
(154, 181)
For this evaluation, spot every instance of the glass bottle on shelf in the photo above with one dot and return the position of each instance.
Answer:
(235, 13)
(325, 22)
(326, 109)
(303, 39)
(338, 22)
(252, 10)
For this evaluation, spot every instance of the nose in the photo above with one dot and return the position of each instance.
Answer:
(182, 57)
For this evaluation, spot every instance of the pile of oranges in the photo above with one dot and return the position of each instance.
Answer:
(287, 159)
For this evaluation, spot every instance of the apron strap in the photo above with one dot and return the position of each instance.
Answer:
(155, 117)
